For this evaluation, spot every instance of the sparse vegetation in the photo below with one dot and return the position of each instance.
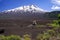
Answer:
(27, 37)
(56, 23)
(12, 37)
(48, 34)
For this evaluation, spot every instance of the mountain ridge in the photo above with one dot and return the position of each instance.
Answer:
(28, 12)
(26, 8)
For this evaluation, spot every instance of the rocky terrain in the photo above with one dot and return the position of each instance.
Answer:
(26, 20)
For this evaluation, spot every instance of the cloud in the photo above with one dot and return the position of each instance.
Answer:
(55, 7)
(57, 2)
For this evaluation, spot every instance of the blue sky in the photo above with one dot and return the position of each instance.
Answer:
(44, 4)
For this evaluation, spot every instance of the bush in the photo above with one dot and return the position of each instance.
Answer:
(39, 36)
(51, 32)
(56, 23)
(44, 36)
(2, 37)
(27, 37)
(12, 37)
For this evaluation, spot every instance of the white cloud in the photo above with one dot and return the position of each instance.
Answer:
(57, 2)
(41, 9)
(55, 7)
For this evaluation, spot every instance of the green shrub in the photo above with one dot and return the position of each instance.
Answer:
(12, 37)
(44, 36)
(27, 37)
(2, 37)
(39, 37)
(51, 32)
(56, 23)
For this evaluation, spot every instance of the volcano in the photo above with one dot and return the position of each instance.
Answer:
(23, 13)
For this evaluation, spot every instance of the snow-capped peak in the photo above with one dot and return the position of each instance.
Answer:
(26, 8)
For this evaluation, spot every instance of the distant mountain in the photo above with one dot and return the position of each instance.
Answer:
(29, 12)
(52, 15)
(24, 12)
(28, 8)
